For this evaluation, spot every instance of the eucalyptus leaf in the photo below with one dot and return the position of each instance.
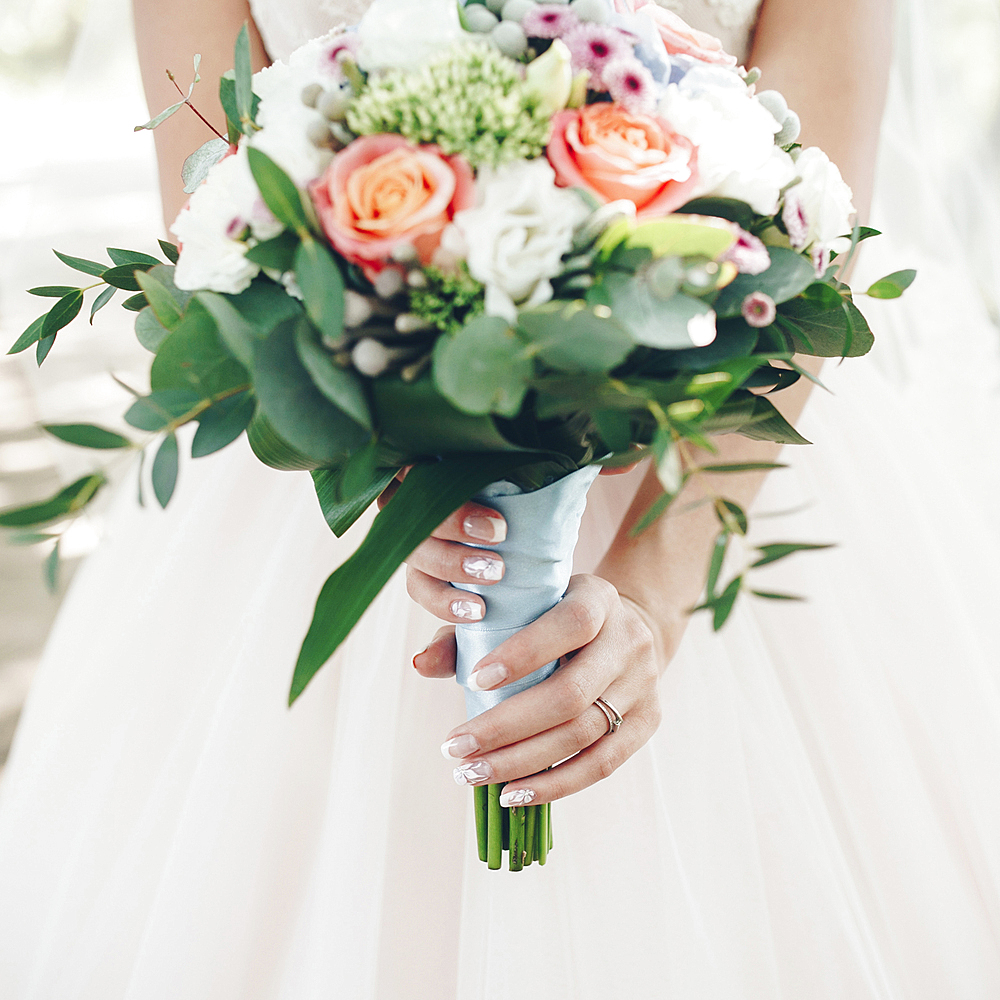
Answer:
(135, 303)
(731, 516)
(123, 275)
(80, 264)
(892, 285)
(43, 347)
(163, 304)
(30, 335)
(101, 301)
(237, 333)
(123, 257)
(655, 510)
(65, 502)
(828, 334)
(62, 313)
(719, 549)
(155, 411)
(161, 117)
(222, 423)
(483, 368)
(53, 291)
(615, 428)
(771, 596)
(149, 331)
(576, 340)
(87, 436)
(164, 471)
(649, 320)
(200, 162)
(170, 251)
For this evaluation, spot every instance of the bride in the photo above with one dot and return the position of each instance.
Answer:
(802, 806)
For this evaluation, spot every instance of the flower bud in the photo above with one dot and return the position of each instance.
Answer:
(594, 11)
(409, 323)
(416, 279)
(357, 310)
(759, 310)
(480, 18)
(550, 78)
(789, 130)
(370, 357)
(514, 10)
(405, 253)
(752, 76)
(508, 37)
(333, 105)
(775, 103)
(311, 94)
(389, 283)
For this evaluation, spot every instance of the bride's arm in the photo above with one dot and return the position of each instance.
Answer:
(831, 63)
(167, 36)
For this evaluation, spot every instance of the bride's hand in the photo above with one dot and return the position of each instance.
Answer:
(608, 652)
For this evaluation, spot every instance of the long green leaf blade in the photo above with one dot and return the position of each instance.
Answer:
(87, 436)
(279, 193)
(81, 264)
(341, 514)
(425, 498)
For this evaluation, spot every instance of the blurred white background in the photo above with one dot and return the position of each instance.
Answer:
(74, 176)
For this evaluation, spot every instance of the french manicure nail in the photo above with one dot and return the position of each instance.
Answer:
(487, 678)
(516, 797)
(483, 568)
(486, 529)
(467, 610)
(460, 746)
(473, 773)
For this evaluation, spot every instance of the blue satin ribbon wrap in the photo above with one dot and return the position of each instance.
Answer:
(542, 530)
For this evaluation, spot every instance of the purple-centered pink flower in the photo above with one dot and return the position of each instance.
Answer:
(593, 46)
(759, 309)
(549, 20)
(630, 84)
(748, 254)
(796, 223)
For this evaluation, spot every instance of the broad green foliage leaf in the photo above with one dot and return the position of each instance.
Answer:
(163, 304)
(149, 331)
(194, 357)
(273, 450)
(250, 316)
(43, 347)
(237, 333)
(200, 162)
(280, 195)
(123, 276)
(227, 98)
(101, 301)
(672, 235)
(87, 436)
(767, 424)
(243, 72)
(155, 411)
(827, 334)
(30, 335)
(359, 471)
(122, 257)
(277, 253)
(65, 502)
(789, 275)
(340, 514)
(135, 303)
(80, 264)
(222, 423)
(53, 291)
(892, 285)
(169, 251)
(575, 340)
(483, 368)
(322, 287)
(164, 471)
(298, 411)
(615, 428)
(652, 321)
(342, 387)
(418, 420)
(733, 339)
(424, 499)
(720, 208)
(781, 550)
(62, 313)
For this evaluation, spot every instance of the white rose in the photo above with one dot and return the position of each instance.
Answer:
(819, 208)
(403, 34)
(514, 240)
(210, 228)
(734, 134)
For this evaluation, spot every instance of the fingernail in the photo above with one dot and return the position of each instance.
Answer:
(483, 568)
(516, 797)
(474, 773)
(416, 656)
(460, 746)
(486, 529)
(487, 678)
(468, 610)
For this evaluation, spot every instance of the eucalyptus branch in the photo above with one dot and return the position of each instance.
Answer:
(186, 99)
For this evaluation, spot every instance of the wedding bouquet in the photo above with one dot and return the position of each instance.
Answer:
(504, 244)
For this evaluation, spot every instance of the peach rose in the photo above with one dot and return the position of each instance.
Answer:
(381, 191)
(679, 38)
(617, 154)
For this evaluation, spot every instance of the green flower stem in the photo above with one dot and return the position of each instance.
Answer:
(529, 834)
(548, 822)
(516, 838)
(481, 797)
(543, 833)
(494, 852)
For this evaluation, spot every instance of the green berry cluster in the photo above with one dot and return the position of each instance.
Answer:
(448, 301)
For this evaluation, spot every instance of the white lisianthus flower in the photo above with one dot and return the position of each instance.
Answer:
(514, 240)
(819, 209)
(212, 229)
(734, 133)
(399, 34)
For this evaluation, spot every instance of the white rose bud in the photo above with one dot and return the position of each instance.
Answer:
(550, 78)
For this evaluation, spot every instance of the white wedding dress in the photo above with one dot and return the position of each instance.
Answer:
(817, 817)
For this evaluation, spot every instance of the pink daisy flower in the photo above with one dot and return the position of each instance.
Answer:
(549, 20)
(630, 84)
(593, 46)
(748, 254)
(759, 309)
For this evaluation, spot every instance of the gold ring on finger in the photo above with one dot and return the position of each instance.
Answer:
(610, 713)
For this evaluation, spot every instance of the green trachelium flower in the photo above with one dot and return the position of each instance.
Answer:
(471, 100)
(448, 301)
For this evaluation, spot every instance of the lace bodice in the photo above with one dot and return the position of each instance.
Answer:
(286, 24)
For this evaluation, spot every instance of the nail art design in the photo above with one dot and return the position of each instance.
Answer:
(485, 529)
(469, 611)
(473, 773)
(516, 797)
(459, 746)
(483, 568)
(487, 678)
